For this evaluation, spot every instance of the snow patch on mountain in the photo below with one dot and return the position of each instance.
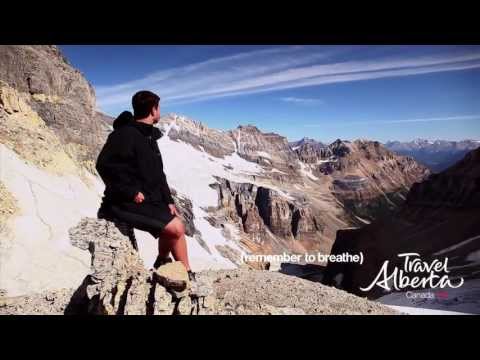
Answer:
(49, 206)
(181, 160)
(306, 171)
(465, 299)
(264, 154)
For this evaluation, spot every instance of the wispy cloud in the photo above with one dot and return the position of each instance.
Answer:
(419, 120)
(302, 101)
(280, 68)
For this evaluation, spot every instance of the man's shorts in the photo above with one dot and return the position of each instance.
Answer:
(149, 217)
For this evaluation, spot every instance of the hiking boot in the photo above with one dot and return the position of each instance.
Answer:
(161, 261)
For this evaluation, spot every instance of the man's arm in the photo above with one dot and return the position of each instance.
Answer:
(115, 168)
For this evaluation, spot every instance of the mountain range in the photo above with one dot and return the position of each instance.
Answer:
(241, 191)
(437, 155)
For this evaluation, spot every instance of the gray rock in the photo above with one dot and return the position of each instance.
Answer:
(262, 211)
(59, 93)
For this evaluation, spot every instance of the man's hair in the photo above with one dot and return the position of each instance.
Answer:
(143, 102)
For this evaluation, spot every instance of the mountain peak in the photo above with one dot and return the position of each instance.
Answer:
(248, 127)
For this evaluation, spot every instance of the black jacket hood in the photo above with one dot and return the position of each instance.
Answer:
(126, 119)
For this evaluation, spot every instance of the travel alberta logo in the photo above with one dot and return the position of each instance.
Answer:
(408, 276)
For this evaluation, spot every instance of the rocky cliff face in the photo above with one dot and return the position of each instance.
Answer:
(267, 217)
(58, 93)
(50, 135)
(311, 152)
(438, 220)
(268, 149)
(370, 180)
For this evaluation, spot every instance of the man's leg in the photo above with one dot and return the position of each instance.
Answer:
(172, 239)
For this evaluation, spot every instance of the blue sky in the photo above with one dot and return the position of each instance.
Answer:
(322, 92)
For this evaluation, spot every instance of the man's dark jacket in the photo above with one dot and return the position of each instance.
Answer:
(130, 162)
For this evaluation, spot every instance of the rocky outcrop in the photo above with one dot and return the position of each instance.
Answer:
(310, 152)
(267, 149)
(26, 133)
(185, 207)
(439, 219)
(120, 283)
(262, 212)
(214, 142)
(57, 93)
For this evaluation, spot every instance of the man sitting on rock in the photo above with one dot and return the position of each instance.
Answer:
(136, 189)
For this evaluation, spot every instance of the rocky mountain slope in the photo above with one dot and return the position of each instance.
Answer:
(437, 155)
(272, 196)
(120, 284)
(440, 219)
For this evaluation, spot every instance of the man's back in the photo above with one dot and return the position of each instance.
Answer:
(130, 162)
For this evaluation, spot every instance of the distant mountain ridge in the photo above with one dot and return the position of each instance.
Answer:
(437, 155)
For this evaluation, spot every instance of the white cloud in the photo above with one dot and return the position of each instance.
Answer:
(433, 119)
(302, 101)
(280, 68)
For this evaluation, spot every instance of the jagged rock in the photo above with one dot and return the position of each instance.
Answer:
(258, 208)
(120, 283)
(275, 211)
(266, 149)
(163, 302)
(310, 151)
(185, 206)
